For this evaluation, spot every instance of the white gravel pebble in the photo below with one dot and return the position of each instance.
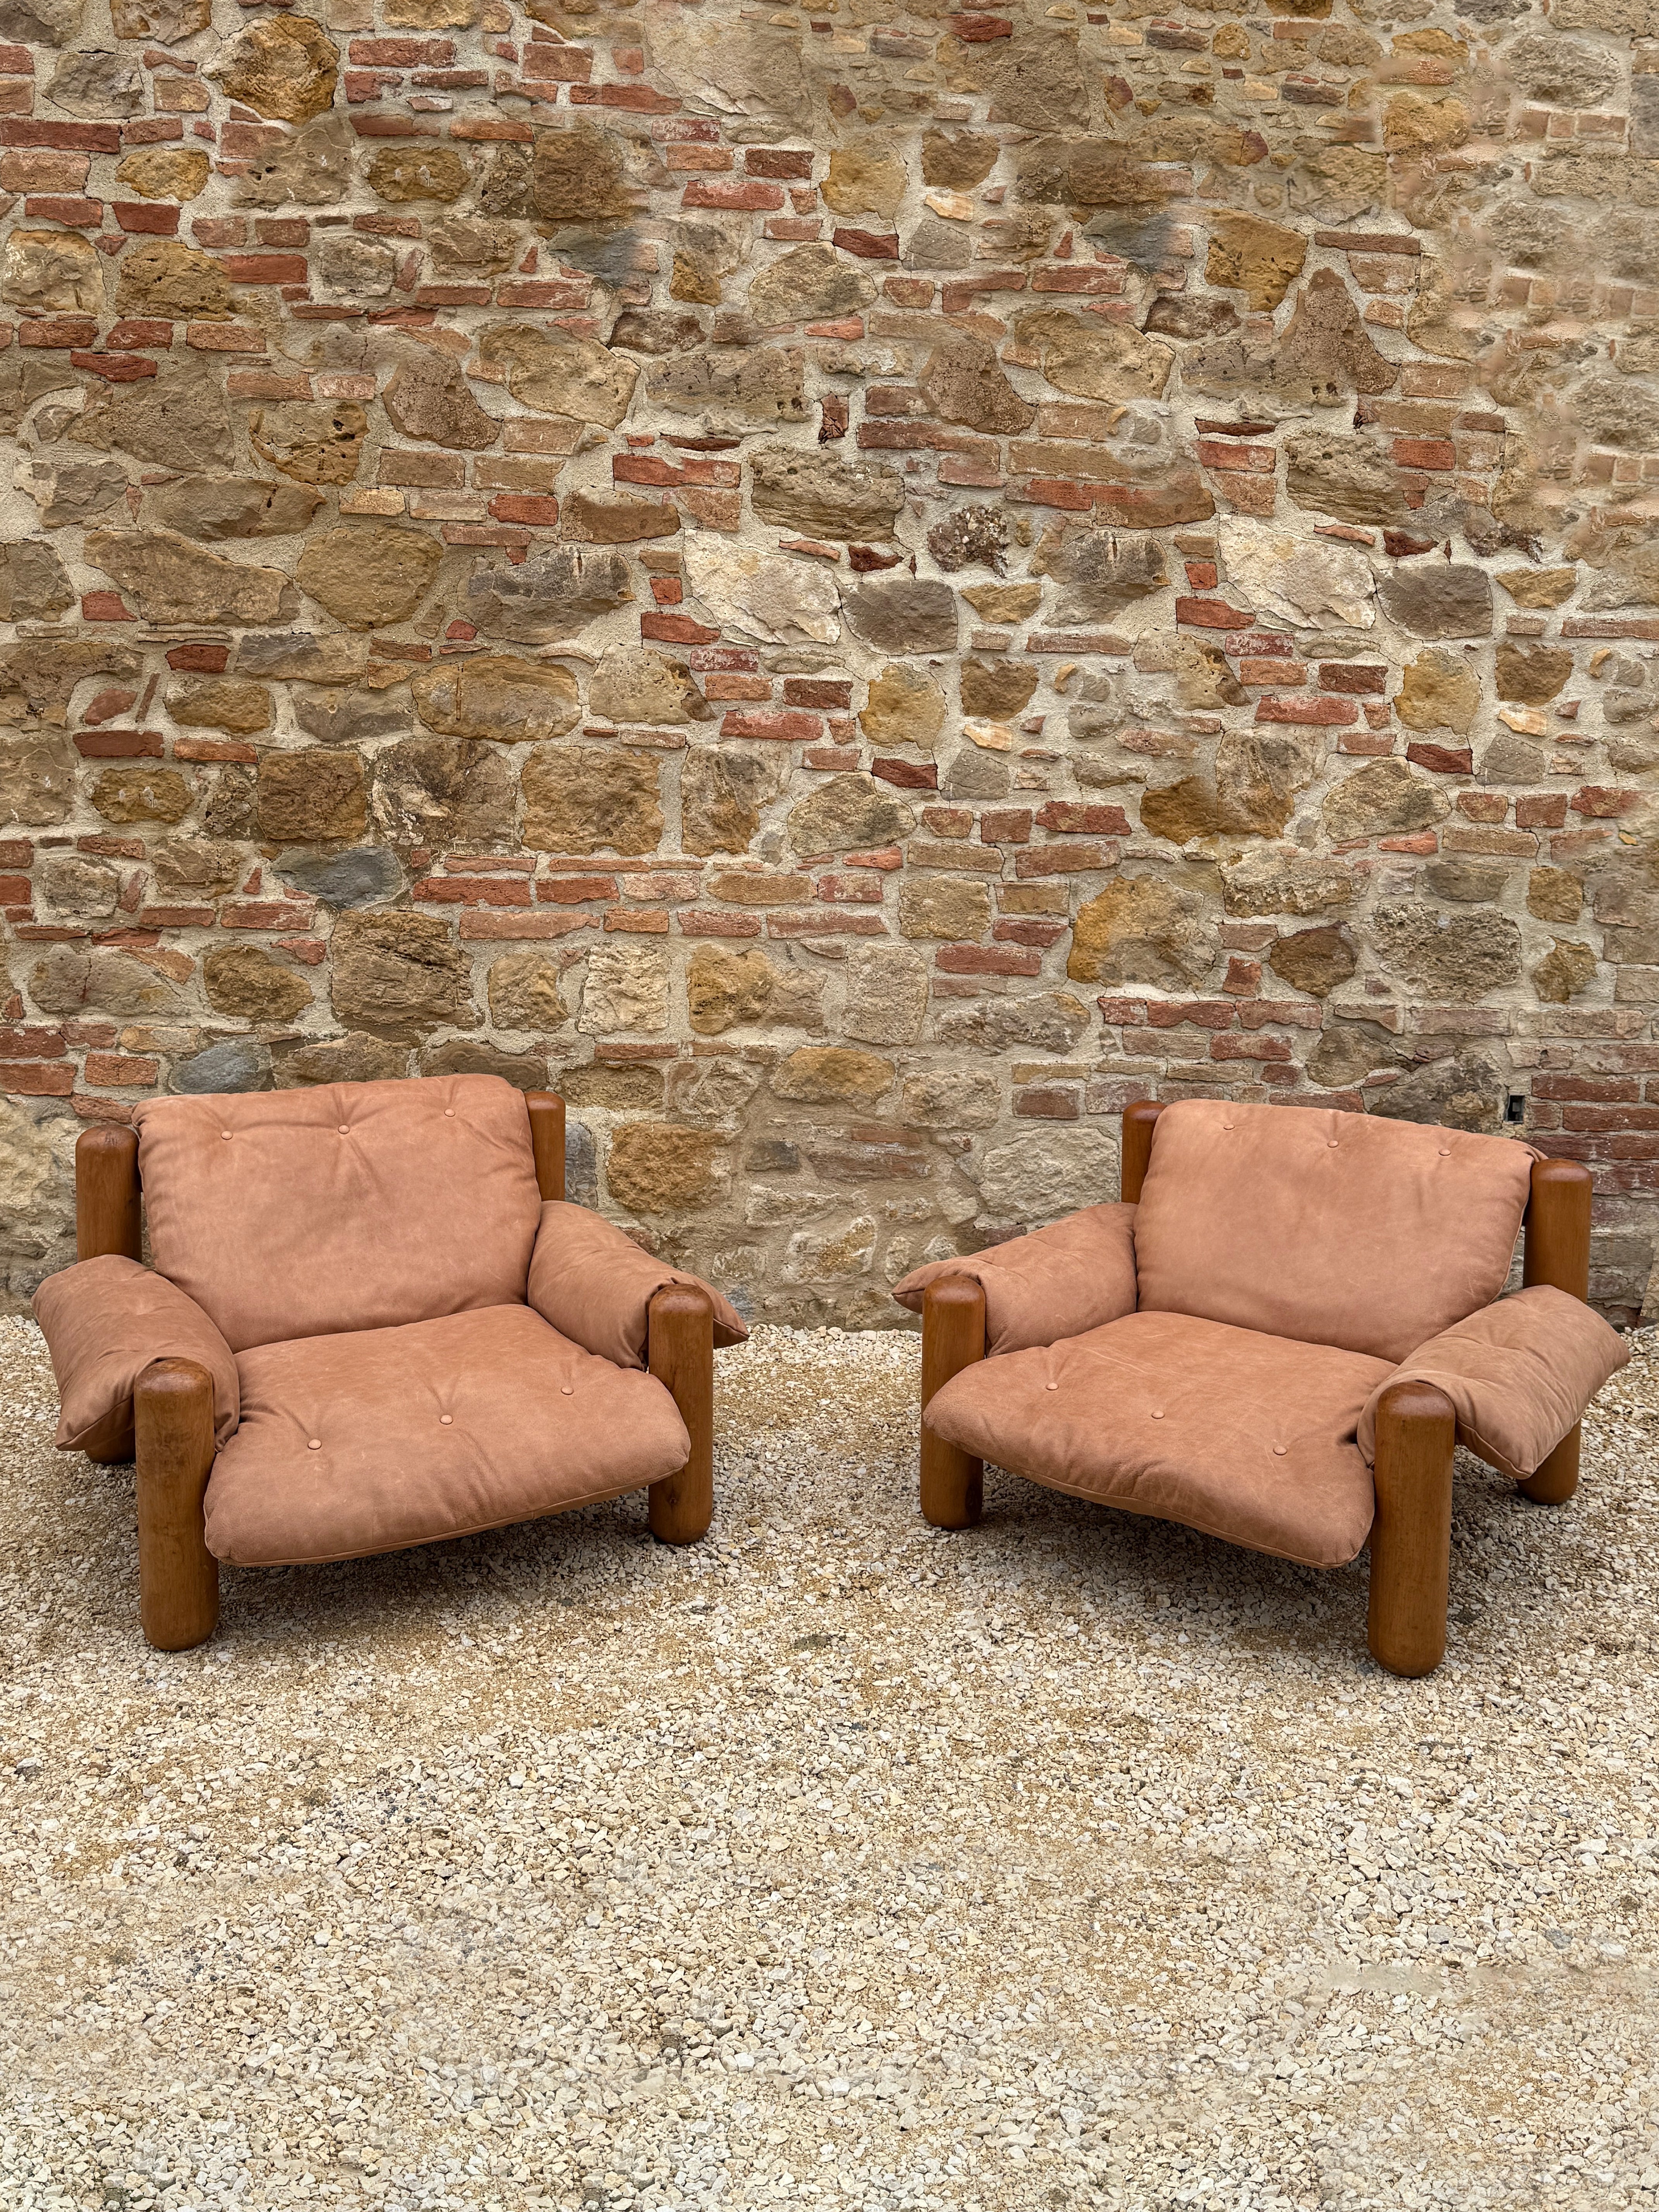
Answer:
(833, 1863)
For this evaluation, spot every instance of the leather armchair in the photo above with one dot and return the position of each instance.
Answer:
(1276, 1336)
(371, 1321)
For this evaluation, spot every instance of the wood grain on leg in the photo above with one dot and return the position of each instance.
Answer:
(952, 1338)
(107, 1214)
(547, 1140)
(1411, 1537)
(1135, 1157)
(1556, 1250)
(680, 1351)
(178, 1575)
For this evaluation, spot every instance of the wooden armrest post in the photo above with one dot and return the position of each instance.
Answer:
(680, 1353)
(952, 1338)
(178, 1575)
(1138, 1121)
(1555, 1250)
(107, 1214)
(547, 1140)
(1411, 1536)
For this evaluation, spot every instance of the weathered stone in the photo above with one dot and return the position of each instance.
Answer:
(314, 168)
(626, 988)
(1513, 759)
(37, 675)
(312, 797)
(313, 444)
(1277, 881)
(759, 383)
(905, 708)
(723, 987)
(167, 23)
(498, 696)
(524, 993)
(97, 85)
(357, 268)
(964, 382)
(865, 180)
(1354, 479)
(1049, 1021)
(1555, 894)
(1313, 960)
(847, 814)
(1183, 315)
(634, 685)
(201, 866)
(956, 908)
(935, 244)
(1325, 355)
(1047, 1173)
(1568, 967)
(471, 243)
(1097, 360)
(551, 595)
(1439, 692)
(1103, 570)
(1140, 930)
(1532, 673)
(84, 888)
(1384, 798)
(398, 976)
(654, 1167)
(213, 508)
(354, 1058)
(1464, 1092)
(429, 15)
(237, 1064)
(1412, 125)
(886, 994)
(285, 68)
(1538, 588)
(34, 585)
(721, 795)
(368, 876)
(369, 574)
(175, 420)
(830, 498)
(1251, 793)
(833, 1075)
(618, 1089)
(247, 982)
(996, 689)
(1459, 957)
(771, 596)
(957, 158)
(811, 283)
(561, 373)
(580, 175)
(1038, 80)
(904, 614)
(428, 397)
(51, 272)
(171, 581)
(593, 521)
(525, 1071)
(1438, 599)
(1474, 883)
(68, 980)
(970, 537)
(299, 658)
(160, 276)
(37, 781)
(229, 810)
(1249, 255)
(951, 1098)
(1345, 1055)
(589, 798)
(243, 708)
(424, 172)
(442, 792)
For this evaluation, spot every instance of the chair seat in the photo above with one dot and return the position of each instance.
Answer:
(1241, 1435)
(357, 1444)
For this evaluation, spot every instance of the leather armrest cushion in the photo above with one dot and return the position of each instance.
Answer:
(593, 1285)
(104, 1321)
(1519, 1373)
(1077, 1275)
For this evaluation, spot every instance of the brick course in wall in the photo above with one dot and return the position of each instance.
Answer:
(853, 590)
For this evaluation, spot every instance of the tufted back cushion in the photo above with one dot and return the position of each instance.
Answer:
(1338, 1228)
(291, 1213)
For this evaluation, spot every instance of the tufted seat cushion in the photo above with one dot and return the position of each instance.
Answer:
(1244, 1437)
(367, 1442)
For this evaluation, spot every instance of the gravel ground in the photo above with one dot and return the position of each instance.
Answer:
(1077, 1861)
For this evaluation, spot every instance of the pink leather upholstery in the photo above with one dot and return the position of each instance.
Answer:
(1058, 1281)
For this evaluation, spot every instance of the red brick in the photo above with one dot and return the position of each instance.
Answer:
(907, 776)
(985, 960)
(118, 744)
(1006, 825)
(199, 660)
(1352, 676)
(777, 162)
(67, 137)
(1443, 760)
(677, 629)
(114, 367)
(868, 245)
(790, 727)
(146, 218)
(1541, 810)
(75, 213)
(750, 195)
(816, 691)
(1076, 814)
(1207, 614)
(37, 1078)
(1048, 1101)
(1331, 712)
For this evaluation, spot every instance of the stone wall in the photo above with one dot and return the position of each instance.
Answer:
(856, 589)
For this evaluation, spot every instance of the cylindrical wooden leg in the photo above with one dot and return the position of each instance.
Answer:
(178, 1575)
(1411, 1536)
(952, 1338)
(1556, 1478)
(680, 1349)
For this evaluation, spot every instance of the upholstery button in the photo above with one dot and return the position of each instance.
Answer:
(449, 1419)
(566, 1389)
(316, 1444)
(1279, 1450)
(1051, 1386)
(1446, 1152)
(225, 1133)
(1330, 1143)
(449, 1113)
(344, 1130)
(1158, 1417)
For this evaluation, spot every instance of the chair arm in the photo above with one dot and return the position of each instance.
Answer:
(593, 1285)
(1519, 1373)
(1075, 1275)
(682, 1358)
(105, 1322)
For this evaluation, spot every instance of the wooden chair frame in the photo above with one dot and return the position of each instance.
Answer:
(1416, 1428)
(172, 1404)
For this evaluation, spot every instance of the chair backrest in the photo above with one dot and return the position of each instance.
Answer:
(355, 1205)
(1338, 1228)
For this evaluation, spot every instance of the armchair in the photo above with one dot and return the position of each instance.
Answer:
(1276, 1336)
(371, 1321)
